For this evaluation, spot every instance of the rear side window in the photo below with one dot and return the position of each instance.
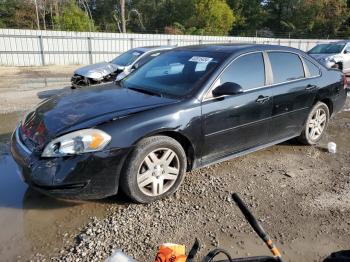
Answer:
(247, 71)
(286, 67)
(313, 69)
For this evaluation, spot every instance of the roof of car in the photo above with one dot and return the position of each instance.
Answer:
(341, 42)
(154, 48)
(233, 48)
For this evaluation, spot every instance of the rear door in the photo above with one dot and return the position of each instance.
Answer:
(235, 123)
(293, 94)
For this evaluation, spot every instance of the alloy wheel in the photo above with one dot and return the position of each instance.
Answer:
(158, 172)
(317, 124)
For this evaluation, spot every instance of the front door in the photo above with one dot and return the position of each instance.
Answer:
(235, 123)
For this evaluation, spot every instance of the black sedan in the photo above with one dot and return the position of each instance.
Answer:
(188, 108)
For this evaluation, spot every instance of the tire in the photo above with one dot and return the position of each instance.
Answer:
(147, 168)
(315, 121)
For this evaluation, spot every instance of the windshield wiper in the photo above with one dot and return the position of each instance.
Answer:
(148, 92)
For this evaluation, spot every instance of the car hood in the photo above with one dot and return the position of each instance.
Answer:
(321, 56)
(97, 71)
(77, 109)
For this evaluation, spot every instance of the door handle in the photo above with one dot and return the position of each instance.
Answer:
(262, 99)
(311, 87)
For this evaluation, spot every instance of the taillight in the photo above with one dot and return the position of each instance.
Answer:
(345, 81)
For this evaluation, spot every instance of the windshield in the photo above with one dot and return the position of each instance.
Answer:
(327, 49)
(127, 58)
(176, 73)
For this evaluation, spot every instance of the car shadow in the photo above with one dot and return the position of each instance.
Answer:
(295, 142)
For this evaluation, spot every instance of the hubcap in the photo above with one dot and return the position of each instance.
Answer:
(158, 172)
(317, 124)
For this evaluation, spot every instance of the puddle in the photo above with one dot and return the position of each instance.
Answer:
(30, 222)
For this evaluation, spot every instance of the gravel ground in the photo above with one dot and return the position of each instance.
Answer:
(300, 194)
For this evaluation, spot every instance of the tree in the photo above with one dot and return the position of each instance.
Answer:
(103, 12)
(72, 18)
(331, 16)
(17, 14)
(214, 17)
(305, 18)
(250, 16)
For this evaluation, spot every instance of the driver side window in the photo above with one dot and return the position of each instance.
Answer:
(248, 71)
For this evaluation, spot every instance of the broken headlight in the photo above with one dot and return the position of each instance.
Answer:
(78, 142)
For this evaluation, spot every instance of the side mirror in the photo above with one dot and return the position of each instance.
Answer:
(227, 88)
(120, 77)
(135, 66)
(346, 51)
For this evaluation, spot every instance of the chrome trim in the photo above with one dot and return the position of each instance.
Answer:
(206, 98)
(19, 142)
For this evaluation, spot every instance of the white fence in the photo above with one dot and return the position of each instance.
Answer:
(36, 48)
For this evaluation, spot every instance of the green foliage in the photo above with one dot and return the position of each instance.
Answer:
(17, 14)
(73, 18)
(280, 18)
(307, 17)
(103, 11)
(214, 17)
(250, 16)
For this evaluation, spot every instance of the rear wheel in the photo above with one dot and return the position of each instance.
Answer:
(316, 124)
(154, 170)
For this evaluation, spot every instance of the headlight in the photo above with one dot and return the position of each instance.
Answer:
(78, 142)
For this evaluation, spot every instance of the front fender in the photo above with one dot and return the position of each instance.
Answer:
(181, 118)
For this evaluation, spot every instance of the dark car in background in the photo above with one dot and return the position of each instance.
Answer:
(187, 108)
(119, 67)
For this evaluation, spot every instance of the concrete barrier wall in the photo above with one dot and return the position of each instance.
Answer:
(39, 47)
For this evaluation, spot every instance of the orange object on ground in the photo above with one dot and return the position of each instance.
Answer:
(171, 253)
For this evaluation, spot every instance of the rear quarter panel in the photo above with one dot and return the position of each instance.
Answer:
(332, 88)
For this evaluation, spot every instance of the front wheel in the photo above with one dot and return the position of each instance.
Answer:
(154, 170)
(316, 124)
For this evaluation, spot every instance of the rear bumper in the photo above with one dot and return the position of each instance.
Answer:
(339, 100)
(86, 176)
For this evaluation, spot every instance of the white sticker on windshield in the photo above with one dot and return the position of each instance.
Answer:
(136, 54)
(200, 59)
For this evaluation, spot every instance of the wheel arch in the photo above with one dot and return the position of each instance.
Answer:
(182, 139)
(328, 102)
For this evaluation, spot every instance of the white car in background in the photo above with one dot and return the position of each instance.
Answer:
(118, 68)
(333, 55)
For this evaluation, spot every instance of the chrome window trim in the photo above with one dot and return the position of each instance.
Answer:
(319, 69)
(301, 57)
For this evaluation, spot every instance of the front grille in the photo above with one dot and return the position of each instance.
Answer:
(80, 80)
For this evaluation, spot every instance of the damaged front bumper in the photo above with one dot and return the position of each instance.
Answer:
(79, 81)
(85, 176)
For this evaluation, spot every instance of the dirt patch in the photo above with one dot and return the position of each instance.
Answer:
(23, 87)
